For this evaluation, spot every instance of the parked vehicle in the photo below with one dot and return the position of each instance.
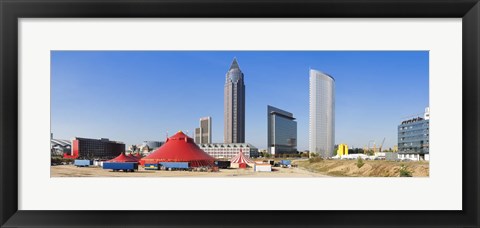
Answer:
(174, 165)
(82, 163)
(285, 163)
(152, 166)
(124, 166)
(222, 164)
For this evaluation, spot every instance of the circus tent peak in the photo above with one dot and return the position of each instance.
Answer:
(240, 158)
(123, 158)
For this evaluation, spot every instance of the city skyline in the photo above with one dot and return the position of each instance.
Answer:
(133, 96)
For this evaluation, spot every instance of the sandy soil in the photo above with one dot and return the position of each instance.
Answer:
(72, 171)
(324, 168)
(375, 168)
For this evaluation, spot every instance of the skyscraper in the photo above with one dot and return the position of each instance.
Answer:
(282, 132)
(234, 105)
(322, 114)
(203, 134)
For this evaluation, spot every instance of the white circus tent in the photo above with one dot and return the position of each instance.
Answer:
(241, 161)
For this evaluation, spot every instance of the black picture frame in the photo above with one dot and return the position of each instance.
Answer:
(12, 10)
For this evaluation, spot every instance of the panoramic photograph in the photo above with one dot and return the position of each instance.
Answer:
(240, 114)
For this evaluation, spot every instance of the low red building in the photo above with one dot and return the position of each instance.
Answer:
(84, 148)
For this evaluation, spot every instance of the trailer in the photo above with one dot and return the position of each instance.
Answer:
(152, 166)
(262, 168)
(124, 166)
(82, 163)
(174, 165)
(222, 164)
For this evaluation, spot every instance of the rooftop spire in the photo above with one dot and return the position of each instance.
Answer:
(234, 64)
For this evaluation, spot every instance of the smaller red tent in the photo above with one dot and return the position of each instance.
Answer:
(132, 156)
(123, 158)
(138, 156)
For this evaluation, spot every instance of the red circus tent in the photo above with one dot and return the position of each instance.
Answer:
(133, 157)
(123, 158)
(241, 159)
(180, 148)
(138, 156)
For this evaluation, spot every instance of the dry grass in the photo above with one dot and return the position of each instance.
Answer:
(374, 168)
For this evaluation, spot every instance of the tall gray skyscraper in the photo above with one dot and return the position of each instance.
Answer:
(322, 114)
(282, 132)
(234, 105)
(203, 134)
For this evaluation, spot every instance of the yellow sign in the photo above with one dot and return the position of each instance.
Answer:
(342, 150)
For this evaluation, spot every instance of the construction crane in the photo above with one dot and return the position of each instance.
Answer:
(381, 145)
(369, 144)
(365, 150)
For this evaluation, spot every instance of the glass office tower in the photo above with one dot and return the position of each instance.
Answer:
(234, 105)
(282, 132)
(322, 114)
(413, 136)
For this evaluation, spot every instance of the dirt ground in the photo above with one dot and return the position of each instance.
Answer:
(371, 168)
(73, 171)
(324, 168)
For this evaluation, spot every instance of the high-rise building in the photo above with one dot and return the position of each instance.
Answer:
(322, 114)
(282, 132)
(234, 105)
(413, 138)
(203, 134)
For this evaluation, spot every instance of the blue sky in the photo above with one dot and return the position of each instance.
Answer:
(132, 96)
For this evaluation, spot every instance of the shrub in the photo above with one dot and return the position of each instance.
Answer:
(404, 172)
(315, 159)
(360, 162)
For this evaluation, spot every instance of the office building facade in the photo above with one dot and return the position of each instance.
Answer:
(413, 138)
(203, 134)
(84, 148)
(229, 150)
(322, 114)
(282, 132)
(234, 105)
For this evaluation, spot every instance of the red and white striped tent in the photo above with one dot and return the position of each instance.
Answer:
(240, 161)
